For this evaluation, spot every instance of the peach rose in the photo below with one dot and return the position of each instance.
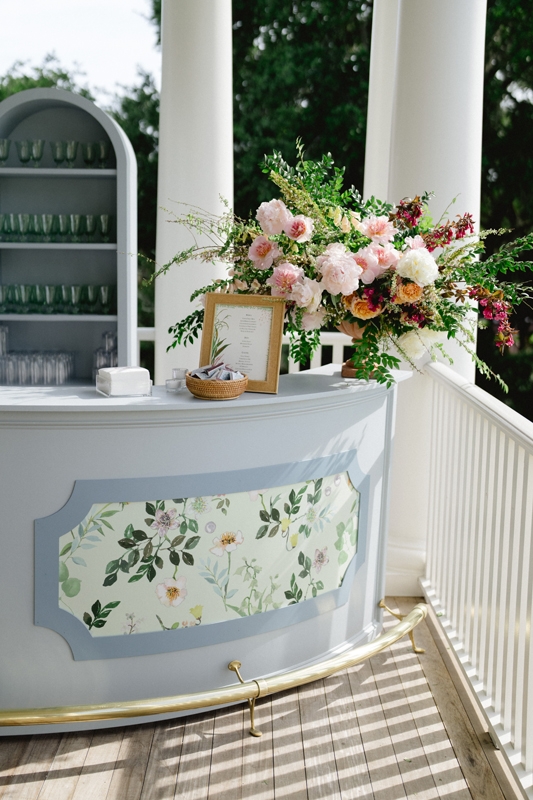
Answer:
(361, 308)
(408, 293)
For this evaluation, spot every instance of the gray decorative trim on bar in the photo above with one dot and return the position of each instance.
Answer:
(87, 492)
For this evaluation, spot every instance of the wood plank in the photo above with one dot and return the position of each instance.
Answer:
(66, 767)
(477, 772)
(289, 770)
(432, 751)
(12, 750)
(382, 765)
(195, 757)
(26, 780)
(352, 771)
(128, 776)
(319, 755)
(225, 775)
(97, 771)
(258, 755)
(160, 776)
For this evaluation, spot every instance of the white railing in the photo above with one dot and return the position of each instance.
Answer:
(479, 574)
(335, 340)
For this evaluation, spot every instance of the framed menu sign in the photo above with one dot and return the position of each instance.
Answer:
(245, 332)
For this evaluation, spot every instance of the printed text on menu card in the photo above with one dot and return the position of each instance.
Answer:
(245, 332)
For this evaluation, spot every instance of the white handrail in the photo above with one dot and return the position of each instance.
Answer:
(479, 574)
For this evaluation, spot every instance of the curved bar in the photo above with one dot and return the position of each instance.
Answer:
(250, 690)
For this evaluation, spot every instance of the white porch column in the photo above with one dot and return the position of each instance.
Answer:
(380, 98)
(435, 145)
(195, 153)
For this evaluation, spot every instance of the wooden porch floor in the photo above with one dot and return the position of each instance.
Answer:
(391, 728)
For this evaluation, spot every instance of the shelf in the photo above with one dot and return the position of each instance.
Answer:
(46, 172)
(58, 317)
(57, 246)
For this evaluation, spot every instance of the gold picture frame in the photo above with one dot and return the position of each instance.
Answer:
(246, 331)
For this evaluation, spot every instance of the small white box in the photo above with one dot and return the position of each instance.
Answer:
(124, 382)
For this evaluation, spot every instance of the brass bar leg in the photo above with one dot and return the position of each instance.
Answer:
(416, 649)
(234, 666)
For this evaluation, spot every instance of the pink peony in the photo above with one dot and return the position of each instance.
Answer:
(299, 228)
(283, 278)
(387, 255)
(311, 322)
(415, 242)
(340, 272)
(273, 216)
(379, 229)
(263, 252)
(307, 294)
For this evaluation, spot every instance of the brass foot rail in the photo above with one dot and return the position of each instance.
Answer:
(244, 691)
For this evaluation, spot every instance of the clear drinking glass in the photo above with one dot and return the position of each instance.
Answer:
(103, 153)
(89, 298)
(71, 151)
(90, 227)
(63, 227)
(23, 369)
(2, 223)
(90, 153)
(47, 225)
(25, 294)
(5, 144)
(58, 152)
(110, 340)
(37, 369)
(4, 330)
(49, 299)
(104, 295)
(3, 298)
(104, 224)
(49, 369)
(24, 150)
(37, 150)
(75, 299)
(11, 369)
(75, 227)
(24, 226)
(38, 299)
(13, 225)
(36, 231)
(13, 298)
(63, 298)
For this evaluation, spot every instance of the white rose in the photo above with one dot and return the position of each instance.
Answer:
(419, 266)
(417, 343)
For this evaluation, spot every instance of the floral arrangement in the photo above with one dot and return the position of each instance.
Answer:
(386, 275)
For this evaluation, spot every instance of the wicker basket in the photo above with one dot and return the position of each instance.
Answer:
(216, 390)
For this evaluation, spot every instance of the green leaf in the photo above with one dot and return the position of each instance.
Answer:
(107, 514)
(150, 573)
(96, 608)
(303, 573)
(174, 557)
(192, 542)
(289, 595)
(314, 591)
(264, 515)
(193, 526)
(184, 527)
(274, 513)
(128, 530)
(127, 543)
(99, 623)
(178, 500)
(177, 541)
(308, 563)
(159, 562)
(149, 522)
(87, 619)
(340, 528)
(273, 531)
(111, 579)
(319, 585)
(261, 532)
(174, 626)
(135, 578)
(106, 523)
(287, 508)
(139, 536)
(343, 557)
(148, 549)
(63, 572)
(124, 566)
(79, 561)
(112, 566)
(150, 509)
(71, 587)
(188, 559)
(301, 558)
(113, 604)
(66, 549)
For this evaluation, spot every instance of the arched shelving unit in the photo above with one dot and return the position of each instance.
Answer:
(53, 114)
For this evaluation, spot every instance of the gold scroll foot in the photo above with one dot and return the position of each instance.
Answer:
(235, 666)
(416, 649)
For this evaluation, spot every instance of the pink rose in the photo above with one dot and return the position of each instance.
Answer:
(263, 252)
(379, 229)
(273, 216)
(340, 272)
(299, 228)
(311, 322)
(307, 294)
(283, 278)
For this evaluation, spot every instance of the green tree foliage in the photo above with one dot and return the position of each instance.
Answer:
(49, 75)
